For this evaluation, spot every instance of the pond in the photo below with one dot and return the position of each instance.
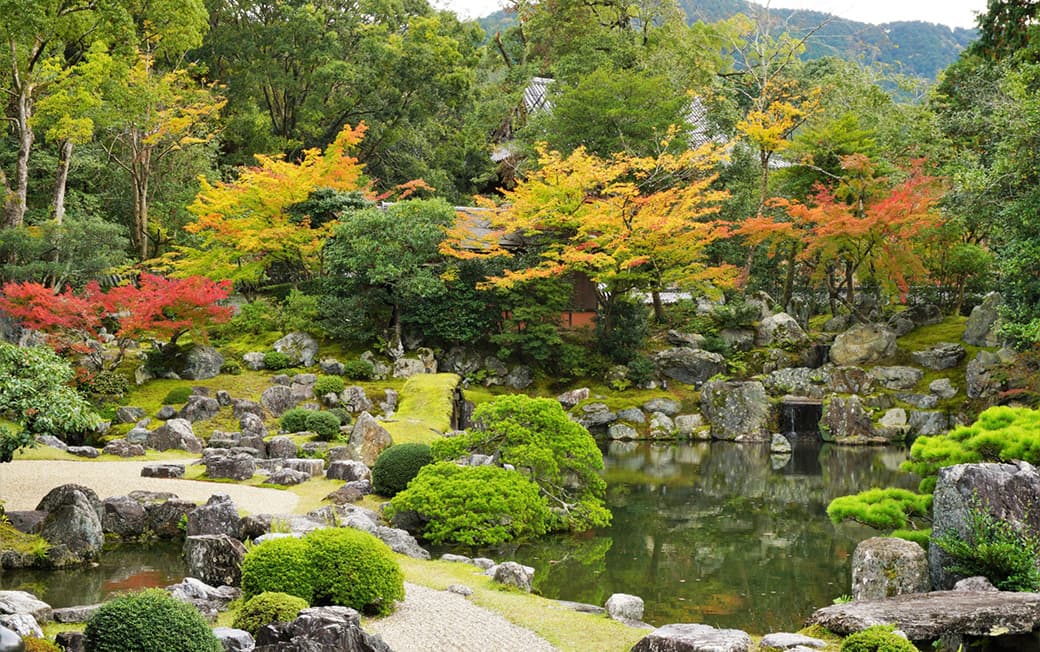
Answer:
(716, 533)
(123, 567)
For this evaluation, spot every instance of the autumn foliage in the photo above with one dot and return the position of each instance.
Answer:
(628, 222)
(155, 307)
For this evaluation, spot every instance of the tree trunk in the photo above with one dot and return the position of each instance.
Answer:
(16, 205)
(64, 159)
(832, 291)
(789, 277)
(658, 307)
(141, 165)
(850, 286)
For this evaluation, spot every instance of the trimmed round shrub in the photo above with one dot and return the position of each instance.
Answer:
(879, 638)
(323, 424)
(343, 414)
(149, 621)
(177, 395)
(328, 385)
(358, 370)
(267, 608)
(396, 466)
(295, 419)
(279, 565)
(275, 361)
(474, 505)
(357, 570)
(106, 383)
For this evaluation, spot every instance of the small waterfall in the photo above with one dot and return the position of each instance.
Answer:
(800, 417)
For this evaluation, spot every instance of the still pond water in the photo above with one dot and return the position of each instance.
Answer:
(714, 533)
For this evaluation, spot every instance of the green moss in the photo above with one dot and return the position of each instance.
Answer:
(425, 409)
(20, 542)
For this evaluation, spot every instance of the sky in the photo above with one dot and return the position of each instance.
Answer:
(955, 13)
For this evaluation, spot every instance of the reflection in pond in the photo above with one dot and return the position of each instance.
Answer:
(124, 567)
(714, 533)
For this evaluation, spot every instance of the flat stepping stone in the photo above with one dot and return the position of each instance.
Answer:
(163, 471)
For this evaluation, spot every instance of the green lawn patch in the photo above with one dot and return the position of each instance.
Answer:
(425, 409)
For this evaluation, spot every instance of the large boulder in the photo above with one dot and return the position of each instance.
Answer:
(174, 434)
(368, 439)
(945, 355)
(897, 377)
(982, 327)
(199, 362)
(199, 408)
(797, 381)
(625, 607)
(165, 518)
(278, 399)
(693, 638)
(215, 558)
(218, 516)
(282, 447)
(929, 616)
(780, 330)
(863, 343)
(982, 376)
(846, 420)
(737, 411)
(1008, 492)
(21, 602)
(513, 574)
(252, 425)
(300, 347)
(348, 471)
(883, 567)
(408, 367)
(234, 640)
(319, 628)
(690, 366)
(354, 399)
(913, 317)
(226, 465)
(75, 524)
(124, 517)
(63, 494)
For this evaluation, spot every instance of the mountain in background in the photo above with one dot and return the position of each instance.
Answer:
(912, 47)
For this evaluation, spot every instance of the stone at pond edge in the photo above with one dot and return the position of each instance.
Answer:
(513, 574)
(234, 640)
(218, 516)
(689, 366)
(737, 411)
(1009, 492)
(693, 638)
(215, 558)
(625, 607)
(786, 641)
(22, 602)
(124, 517)
(927, 616)
(883, 567)
(76, 524)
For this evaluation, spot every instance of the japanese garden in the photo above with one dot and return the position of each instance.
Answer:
(587, 326)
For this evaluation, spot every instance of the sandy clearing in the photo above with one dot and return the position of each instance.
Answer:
(24, 483)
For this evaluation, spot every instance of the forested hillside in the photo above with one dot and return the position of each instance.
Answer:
(912, 47)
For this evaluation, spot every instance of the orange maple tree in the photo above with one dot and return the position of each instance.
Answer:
(865, 229)
(627, 222)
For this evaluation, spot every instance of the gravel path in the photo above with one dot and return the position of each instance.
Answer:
(24, 483)
(447, 622)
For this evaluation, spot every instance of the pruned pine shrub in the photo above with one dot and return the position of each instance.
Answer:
(324, 424)
(149, 621)
(278, 565)
(396, 466)
(474, 505)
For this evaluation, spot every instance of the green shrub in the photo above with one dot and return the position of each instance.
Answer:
(396, 466)
(357, 570)
(276, 361)
(40, 645)
(994, 549)
(255, 317)
(106, 383)
(328, 385)
(267, 608)
(300, 312)
(279, 565)
(344, 416)
(920, 537)
(481, 505)
(641, 370)
(358, 370)
(879, 638)
(324, 424)
(623, 331)
(149, 621)
(231, 368)
(177, 395)
(1000, 434)
(884, 509)
(735, 314)
(535, 434)
(295, 419)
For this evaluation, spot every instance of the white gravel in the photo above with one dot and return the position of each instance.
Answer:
(24, 483)
(447, 622)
